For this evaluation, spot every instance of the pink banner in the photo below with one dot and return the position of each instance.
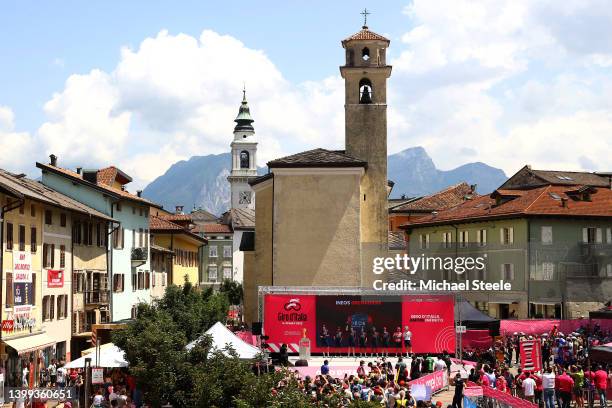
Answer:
(539, 326)
(506, 398)
(436, 380)
(476, 339)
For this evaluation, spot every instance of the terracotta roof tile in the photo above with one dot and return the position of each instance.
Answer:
(75, 176)
(318, 158)
(447, 198)
(542, 201)
(213, 228)
(107, 176)
(161, 224)
(365, 34)
(176, 217)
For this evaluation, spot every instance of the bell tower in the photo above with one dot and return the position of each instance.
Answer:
(244, 164)
(365, 76)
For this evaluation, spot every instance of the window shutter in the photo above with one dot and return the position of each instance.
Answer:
(52, 256)
(585, 235)
(609, 235)
(52, 307)
(427, 241)
(45, 254)
(598, 236)
(122, 238)
(484, 236)
(511, 235)
(511, 272)
(501, 235)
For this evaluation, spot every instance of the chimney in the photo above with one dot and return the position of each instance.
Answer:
(122, 188)
(473, 188)
(53, 160)
(79, 170)
(139, 193)
(178, 209)
(563, 202)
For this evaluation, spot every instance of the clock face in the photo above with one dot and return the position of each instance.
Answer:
(244, 197)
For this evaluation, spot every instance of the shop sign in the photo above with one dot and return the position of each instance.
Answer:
(55, 279)
(23, 292)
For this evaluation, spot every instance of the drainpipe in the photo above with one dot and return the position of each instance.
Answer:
(109, 255)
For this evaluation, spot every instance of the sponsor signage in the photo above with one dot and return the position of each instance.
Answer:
(436, 380)
(339, 321)
(55, 279)
(97, 376)
(531, 355)
(22, 267)
(461, 329)
(23, 294)
(8, 325)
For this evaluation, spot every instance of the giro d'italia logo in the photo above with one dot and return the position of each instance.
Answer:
(293, 304)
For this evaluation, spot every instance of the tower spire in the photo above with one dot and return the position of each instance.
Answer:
(365, 13)
(244, 121)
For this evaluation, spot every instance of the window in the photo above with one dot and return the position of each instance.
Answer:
(141, 280)
(365, 54)
(609, 235)
(481, 237)
(164, 279)
(48, 217)
(62, 306)
(62, 220)
(32, 210)
(244, 159)
(140, 237)
(48, 311)
(227, 251)
(507, 272)
(9, 236)
(506, 236)
(147, 280)
(22, 208)
(62, 256)
(365, 91)
(212, 273)
(118, 206)
(227, 272)
(609, 271)
(76, 232)
(547, 236)
(33, 243)
(212, 252)
(98, 235)
(480, 274)
(133, 238)
(134, 281)
(464, 238)
(447, 239)
(90, 233)
(22, 239)
(146, 237)
(118, 238)
(48, 256)
(9, 290)
(140, 211)
(591, 235)
(134, 311)
(545, 272)
(78, 282)
(424, 241)
(118, 281)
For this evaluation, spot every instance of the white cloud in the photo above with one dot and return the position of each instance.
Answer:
(15, 147)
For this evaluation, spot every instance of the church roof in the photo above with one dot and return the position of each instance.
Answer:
(365, 34)
(244, 121)
(242, 218)
(318, 158)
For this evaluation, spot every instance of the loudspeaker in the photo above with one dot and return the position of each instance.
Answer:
(256, 328)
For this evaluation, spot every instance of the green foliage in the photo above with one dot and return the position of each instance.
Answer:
(233, 290)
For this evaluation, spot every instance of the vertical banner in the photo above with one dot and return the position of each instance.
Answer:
(531, 355)
(431, 319)
(55, 279)
(286, 317)
(22, 267)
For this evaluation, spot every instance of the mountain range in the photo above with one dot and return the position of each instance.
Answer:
(201, 181)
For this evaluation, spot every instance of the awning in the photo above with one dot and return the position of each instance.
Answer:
(93, 349)
(30, 343)
(553, 303)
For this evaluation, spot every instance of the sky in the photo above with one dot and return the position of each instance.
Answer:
(144, 84)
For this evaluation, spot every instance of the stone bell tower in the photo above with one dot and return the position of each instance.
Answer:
(365, 76)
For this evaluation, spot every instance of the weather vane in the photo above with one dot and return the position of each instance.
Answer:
(365, 13)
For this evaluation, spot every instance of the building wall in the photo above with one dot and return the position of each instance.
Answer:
(59, 328)
(218, 241)
(259, 272)
(237, 257)
(123, 302)
(177, 242)
(26, 219)
(316, 228)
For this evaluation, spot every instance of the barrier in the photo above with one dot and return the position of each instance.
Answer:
(438, 380)
(539, 326)
(496, 399)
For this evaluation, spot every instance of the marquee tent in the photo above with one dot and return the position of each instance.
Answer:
(110, 356)
(602, 353)
(603, 313)
(222, 336)
(474, 319)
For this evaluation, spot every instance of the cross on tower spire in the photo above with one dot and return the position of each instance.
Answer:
(365, 13)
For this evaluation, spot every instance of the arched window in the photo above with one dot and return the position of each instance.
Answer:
(365, 54)
(365, 91)
(244, 159)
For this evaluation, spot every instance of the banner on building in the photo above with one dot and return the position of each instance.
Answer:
(22, 267)
(55, 279)
(531, 355)
(367, 322)
(23, 294)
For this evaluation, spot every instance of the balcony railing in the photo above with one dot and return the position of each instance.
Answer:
(597, 250)
(97, 296)
(139, 255)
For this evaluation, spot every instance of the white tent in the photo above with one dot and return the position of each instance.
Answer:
(111, 356)
(222, 336)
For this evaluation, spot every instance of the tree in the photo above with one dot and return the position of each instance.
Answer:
(233, 290)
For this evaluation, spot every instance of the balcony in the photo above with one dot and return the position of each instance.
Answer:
(139, 256)
(596, 250)
(96, 297)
